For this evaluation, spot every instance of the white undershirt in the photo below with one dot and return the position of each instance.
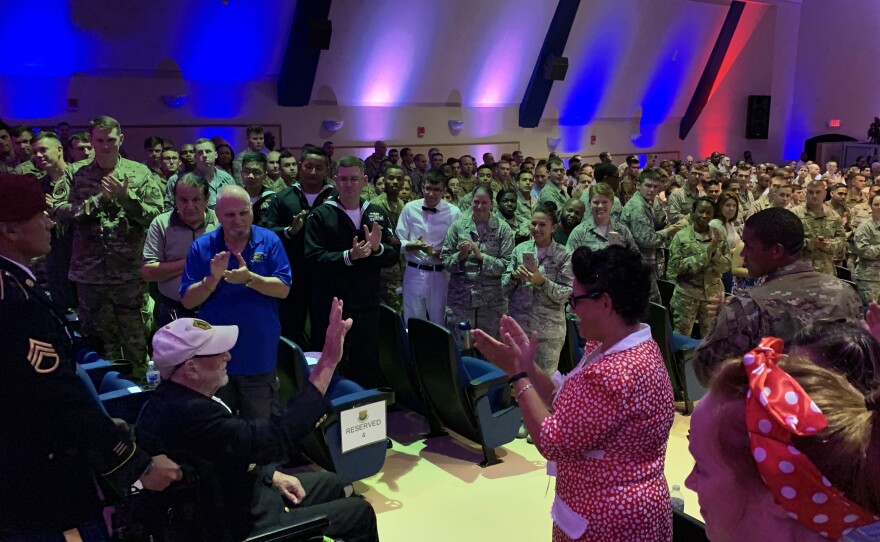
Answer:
(311, 198)
(355, 216)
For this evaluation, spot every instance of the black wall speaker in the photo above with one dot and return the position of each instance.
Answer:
(758, 119)
(555, 68)
(318, 34)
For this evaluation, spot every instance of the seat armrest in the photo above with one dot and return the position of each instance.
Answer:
(481, 385)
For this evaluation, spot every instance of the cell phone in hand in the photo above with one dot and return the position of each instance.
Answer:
(529, 262)
(614, 238)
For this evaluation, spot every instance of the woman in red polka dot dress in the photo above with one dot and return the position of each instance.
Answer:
(605, 439)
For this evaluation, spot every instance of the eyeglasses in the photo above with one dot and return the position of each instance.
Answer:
(573, 299)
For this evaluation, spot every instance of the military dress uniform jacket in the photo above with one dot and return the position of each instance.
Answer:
(108, 237)
(279, 216)
(826, 223)
(473, 283)
(242, 452)
(329, 233)
(540, 308)
(791, 298)
(54, 439)
(696, 262)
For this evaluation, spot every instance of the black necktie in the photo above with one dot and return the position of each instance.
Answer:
(429, 209)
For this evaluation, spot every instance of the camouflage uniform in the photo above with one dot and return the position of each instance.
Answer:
(825, 223)
(791, 298)
(524, 211)
(391, 278)
(541, 308)
(27, 168)
(638, 216)
(108, 243)
(867, 275)
(746, 205)
(475, 286)
(587, 234)
(858, 215)
(681, 203)
(513, 223)
(553, 193)
(696, 262)
(468, 184)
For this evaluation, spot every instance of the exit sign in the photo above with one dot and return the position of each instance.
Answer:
(834, 123)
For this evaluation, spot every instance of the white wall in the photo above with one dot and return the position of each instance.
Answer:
(396, 66)
(838, 70)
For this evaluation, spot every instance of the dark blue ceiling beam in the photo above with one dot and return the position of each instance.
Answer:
(297, 76)
(531, 109)
(713, 67)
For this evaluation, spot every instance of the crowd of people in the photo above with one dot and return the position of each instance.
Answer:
(216, 254)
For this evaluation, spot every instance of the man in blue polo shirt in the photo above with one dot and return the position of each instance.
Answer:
(235, 275)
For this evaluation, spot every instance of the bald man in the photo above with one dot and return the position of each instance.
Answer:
(235, 275)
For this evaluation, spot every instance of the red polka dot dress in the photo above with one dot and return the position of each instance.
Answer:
(608, 434)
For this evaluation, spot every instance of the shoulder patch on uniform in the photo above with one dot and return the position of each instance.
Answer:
(42, 356)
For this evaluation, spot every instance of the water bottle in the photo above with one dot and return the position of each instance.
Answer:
(152, 376)
(464, 335)
(676, 498)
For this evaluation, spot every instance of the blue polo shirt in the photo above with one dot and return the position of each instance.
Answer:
(255, 314)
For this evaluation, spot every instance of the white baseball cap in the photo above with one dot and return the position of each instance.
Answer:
(185, 338)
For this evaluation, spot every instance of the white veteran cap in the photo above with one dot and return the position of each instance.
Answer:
(185, 338)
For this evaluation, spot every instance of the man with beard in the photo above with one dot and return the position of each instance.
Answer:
(571, 215)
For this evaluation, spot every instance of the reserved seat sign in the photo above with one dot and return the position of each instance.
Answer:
(363, 425)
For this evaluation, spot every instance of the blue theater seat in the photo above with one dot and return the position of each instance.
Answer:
(324, 446)
(469, 395)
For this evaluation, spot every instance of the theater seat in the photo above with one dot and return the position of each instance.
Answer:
(122, 398)
(470, 396)
(677, 350)
(324, 446)
(97, 367)
(395, 362)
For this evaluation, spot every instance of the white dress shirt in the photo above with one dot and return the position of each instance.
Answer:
(431, 227)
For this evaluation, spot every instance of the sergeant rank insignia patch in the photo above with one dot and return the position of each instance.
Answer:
(42, 356)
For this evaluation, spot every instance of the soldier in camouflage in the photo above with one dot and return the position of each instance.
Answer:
(538, 286)
(598, 230)
(476, 252)
(792, 296)
(554, 190)
(638, 216)
(697, 258)
(823, 229)
(111, 204)
(391, 278)
(867, 247)
(858, 215)
(681, 201)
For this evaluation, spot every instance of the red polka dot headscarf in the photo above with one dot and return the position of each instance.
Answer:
(777, 408)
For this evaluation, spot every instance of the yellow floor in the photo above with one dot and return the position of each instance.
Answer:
(438, 492)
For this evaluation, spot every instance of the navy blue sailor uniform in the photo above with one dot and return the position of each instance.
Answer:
(54, 439)
(329, 234)
(277, 217)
